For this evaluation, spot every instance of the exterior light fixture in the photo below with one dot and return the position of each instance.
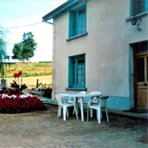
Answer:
(136, 21)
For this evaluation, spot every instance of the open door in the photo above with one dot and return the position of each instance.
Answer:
(141, 75)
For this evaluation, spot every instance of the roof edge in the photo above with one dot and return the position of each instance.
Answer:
(60, 9)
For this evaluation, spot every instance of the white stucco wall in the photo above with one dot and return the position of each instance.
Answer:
(106, 47)
(110, 47)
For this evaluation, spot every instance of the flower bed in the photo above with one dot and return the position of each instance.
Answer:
(15, 100)
(20, 103)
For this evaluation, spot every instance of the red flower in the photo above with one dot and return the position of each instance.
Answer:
(19, 73)
(15, 75)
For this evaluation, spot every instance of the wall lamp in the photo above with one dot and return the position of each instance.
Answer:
(136, 21)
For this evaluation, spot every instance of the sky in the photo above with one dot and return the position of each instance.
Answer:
(20, 16)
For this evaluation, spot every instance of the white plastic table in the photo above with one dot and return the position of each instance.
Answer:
(79, 97)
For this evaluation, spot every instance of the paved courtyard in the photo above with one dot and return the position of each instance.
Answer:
(43, 129)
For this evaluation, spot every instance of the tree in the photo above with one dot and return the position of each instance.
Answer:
(17, 51)
(25, 49)
(3, 54)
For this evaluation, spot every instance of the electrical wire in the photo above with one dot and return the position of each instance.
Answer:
(21, 26)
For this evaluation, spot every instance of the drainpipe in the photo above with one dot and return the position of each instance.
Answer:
(54, 61)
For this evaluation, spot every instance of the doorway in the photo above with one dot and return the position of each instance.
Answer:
(141, 74)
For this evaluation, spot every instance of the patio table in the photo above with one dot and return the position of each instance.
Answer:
(80, 98)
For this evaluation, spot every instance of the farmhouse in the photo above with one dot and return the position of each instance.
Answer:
(102, 45)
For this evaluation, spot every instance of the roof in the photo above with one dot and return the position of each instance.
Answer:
(65, 6)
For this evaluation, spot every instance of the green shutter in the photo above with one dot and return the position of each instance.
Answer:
(70, 23)
(70, 73)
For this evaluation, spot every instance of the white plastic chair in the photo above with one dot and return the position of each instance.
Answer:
(64, 103)
(82, 92)
(97, 103)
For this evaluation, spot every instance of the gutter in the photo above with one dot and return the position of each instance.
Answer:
(60, 9)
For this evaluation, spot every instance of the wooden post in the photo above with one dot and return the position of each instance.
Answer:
(37, 83)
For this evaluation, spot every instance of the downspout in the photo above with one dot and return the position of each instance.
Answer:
(53, 60)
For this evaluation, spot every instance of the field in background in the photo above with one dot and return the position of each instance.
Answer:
(31, 72)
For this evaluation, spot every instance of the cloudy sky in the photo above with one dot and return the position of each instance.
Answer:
(19, 16)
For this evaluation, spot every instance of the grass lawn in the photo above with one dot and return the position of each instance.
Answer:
(31, 72)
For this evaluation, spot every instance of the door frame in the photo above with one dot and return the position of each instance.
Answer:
(135, 57)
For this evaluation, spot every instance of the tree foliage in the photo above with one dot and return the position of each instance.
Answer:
(2, 46)
(17, 51)
(3, 54)
(25, 49)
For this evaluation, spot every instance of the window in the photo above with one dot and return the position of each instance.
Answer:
(140, 72)
(77, 24)
(138, 6)
(77, 71)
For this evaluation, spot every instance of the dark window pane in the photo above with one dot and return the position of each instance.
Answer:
(141, 47)
(140, 70)
(81, 74)
(81, 21)
(137, 6)
(81, 61)
(72, 23)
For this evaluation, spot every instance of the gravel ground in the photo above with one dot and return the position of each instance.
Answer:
(43, 129)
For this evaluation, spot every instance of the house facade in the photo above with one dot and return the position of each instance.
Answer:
(102, 45)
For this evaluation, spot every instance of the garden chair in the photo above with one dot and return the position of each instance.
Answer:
(63, 104)
(97, 103)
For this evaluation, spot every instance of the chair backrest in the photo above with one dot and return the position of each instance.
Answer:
(64, 99)
(95, 99)
(59, 99)
(96, 93)
(82, 92)
(104, 101)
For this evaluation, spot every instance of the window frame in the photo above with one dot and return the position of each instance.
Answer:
(74, 15)
(73, 72)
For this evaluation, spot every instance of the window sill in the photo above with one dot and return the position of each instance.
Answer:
(77, 89)
(77, 36)
(137, 16)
